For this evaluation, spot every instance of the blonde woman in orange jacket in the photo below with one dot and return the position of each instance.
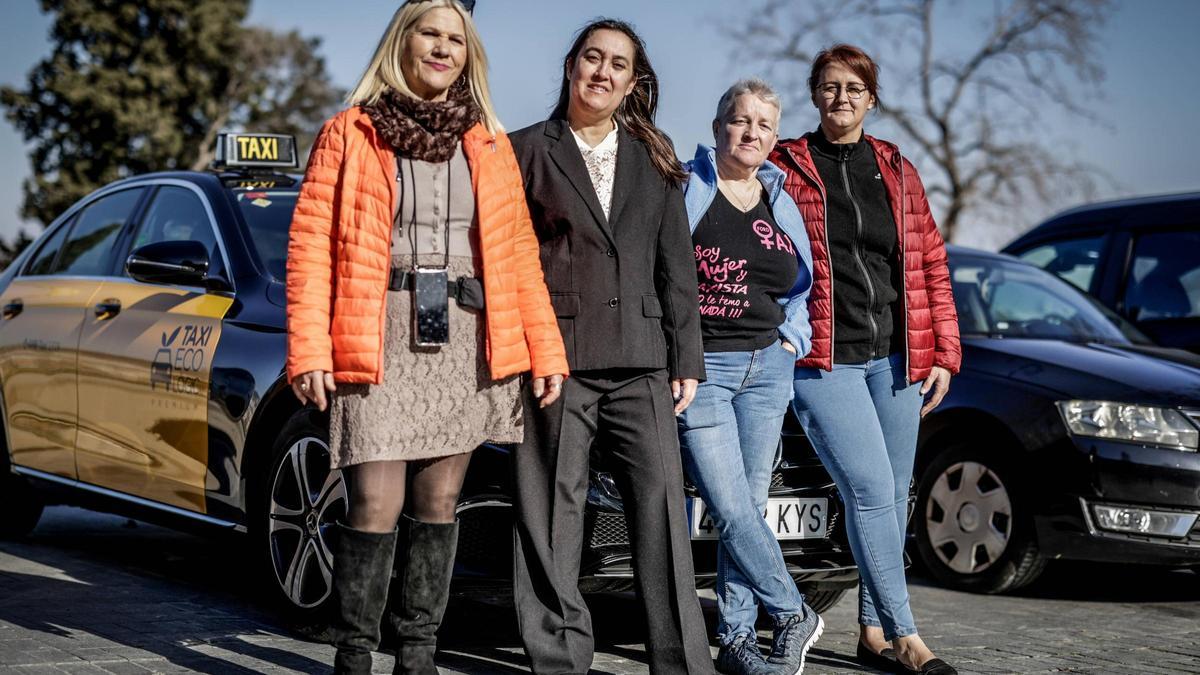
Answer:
(417, 173)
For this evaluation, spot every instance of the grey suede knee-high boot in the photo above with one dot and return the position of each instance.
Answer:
(362, 567)
(419, 598)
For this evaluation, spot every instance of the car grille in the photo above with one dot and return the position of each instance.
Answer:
(608, 529)
(1194, 536)
(798, 474)
(777, 482)
(834, 512)
(485, 536)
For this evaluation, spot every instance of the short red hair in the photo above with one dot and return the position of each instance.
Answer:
(853, 59)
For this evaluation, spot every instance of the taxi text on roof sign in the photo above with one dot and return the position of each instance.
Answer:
(247, 150)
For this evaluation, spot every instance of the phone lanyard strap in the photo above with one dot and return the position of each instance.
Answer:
(412, 223)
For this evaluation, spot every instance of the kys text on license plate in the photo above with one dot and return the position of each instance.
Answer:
(788, 518)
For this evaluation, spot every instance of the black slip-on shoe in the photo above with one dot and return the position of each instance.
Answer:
(931, 667)
(885, 660)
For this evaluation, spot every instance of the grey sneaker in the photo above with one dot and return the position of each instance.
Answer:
(794, 636)
(742, 657)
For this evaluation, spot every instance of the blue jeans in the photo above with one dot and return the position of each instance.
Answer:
(728, 437)
(862, 419)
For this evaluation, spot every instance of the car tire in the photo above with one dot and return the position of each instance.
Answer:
(296, 500)
(20, 507)
(823, 601)
(972, 530)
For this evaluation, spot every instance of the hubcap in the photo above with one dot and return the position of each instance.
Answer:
(307, 498)
(968, 517)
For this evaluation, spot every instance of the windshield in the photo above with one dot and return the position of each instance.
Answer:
(268, 215)
(1008, 299)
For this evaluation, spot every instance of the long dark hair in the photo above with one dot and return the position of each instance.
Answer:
(637, 110)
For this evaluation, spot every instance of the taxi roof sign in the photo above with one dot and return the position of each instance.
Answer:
(249, 151)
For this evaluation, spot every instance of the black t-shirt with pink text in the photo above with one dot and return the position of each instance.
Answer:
(744, 264)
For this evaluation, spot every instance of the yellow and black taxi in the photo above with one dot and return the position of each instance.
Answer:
(142, 351)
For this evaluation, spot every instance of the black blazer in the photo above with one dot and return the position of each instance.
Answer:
(623, 288)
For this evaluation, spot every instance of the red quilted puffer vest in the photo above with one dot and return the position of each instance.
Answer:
(931, 322)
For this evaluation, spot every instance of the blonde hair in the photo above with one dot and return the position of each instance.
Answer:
(385, 71)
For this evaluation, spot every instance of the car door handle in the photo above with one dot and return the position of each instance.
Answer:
(110, 307)
(13, 308)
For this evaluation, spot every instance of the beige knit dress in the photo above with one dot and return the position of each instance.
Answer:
(434, 401)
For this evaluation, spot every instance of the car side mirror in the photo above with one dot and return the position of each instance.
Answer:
(169, 262)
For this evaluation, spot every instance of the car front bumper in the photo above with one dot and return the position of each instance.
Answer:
(1119, 474)
(485, 551)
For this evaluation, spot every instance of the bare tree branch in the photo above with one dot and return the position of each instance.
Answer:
(973, 117)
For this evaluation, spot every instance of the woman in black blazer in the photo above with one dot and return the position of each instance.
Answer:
(603, 186)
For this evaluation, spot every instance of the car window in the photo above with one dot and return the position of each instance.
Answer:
(268, 216)
(43, 261)
(177, 214)
(1164, 277)
(1005, 299)
(1074, 260)
(1023, 301)
(89, 248)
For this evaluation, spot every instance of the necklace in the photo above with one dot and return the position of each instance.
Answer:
(743, 204)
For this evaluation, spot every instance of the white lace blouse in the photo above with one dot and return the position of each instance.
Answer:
(601, 164)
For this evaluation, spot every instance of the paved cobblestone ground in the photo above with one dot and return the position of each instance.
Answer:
(91, 593)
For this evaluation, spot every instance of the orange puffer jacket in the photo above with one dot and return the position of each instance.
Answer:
(339, 257)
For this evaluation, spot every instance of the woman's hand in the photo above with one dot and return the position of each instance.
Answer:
(311, 387)
(683, 391)
(547, 389)
(788, 346)
(939, 382)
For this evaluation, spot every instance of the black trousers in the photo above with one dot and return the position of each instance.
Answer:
(629, 413)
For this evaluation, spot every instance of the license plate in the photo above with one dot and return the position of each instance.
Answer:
(788, 518)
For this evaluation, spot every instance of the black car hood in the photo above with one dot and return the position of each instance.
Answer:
(1123, 373)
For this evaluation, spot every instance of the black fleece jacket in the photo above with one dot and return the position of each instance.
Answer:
(864, 252)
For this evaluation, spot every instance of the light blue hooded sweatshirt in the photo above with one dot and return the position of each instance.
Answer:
(699, 193)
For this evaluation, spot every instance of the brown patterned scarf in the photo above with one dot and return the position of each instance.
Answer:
(427, 131)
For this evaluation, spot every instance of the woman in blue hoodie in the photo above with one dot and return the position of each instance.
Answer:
(754, 270)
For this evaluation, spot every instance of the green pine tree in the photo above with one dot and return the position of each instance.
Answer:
(137, 87)
(9, 250)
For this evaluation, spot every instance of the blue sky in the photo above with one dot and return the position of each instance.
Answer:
(1148, 142)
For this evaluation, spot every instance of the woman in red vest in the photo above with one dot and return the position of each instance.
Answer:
(885, 334)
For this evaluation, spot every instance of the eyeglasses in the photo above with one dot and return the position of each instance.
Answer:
(829, 90)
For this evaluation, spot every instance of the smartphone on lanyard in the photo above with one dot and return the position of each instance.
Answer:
(431, 306)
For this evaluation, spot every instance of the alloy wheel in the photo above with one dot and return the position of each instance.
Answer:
(307, 500)
(968, 517)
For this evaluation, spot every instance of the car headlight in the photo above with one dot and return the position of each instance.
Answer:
(1126, 422)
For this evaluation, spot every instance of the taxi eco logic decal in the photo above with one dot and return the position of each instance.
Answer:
(179, 368)
(176, 349)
